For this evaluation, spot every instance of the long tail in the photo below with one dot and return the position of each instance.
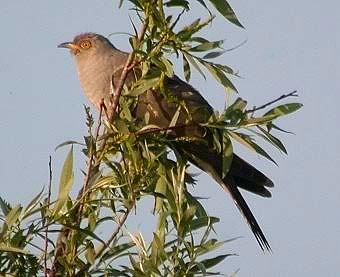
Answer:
(246, 212)
(210, 162)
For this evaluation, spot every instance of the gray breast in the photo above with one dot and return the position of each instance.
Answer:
(95, 74)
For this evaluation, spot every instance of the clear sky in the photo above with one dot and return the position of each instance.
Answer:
(290, 45)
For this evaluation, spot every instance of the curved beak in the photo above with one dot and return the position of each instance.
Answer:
(75, 49)
(69, 45)
(65, 45)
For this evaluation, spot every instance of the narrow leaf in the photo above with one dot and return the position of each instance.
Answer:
(275, 141)
(194, 64)
(273, 126)
(227, 150)
(67, 143)
(284, 109)
(208, 263)
(13, 215)
(5, 206)
(203, 221)
(174, 119)
(6, 248)
(34, 202)
(219, 75)
(206, 46)
(246, 141)
(200, 211)
(66, 181)
(213, 55)
(143, 85)
(225, 9)
(186, 69)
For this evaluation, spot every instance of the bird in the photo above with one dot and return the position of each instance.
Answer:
(100, 65)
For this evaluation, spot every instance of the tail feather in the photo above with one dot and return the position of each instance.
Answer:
(242, 205)
(250, 186)
(210, 162)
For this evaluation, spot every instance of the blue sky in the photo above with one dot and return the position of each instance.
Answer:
(290, 45)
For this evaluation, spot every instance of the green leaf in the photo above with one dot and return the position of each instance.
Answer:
(161, 188)
(283, 109)
(227, 149)
(33, 203)
(13, 215)
(184, 226)
(194, 63)
(121, 126)
(199, 39)
(225, 9)
(84, 232)
(219, 75)
(208, 263)
(143, 85)
(5, 248)
(246, 141)
(164, 65)
(213, 55)
(175, 117)
(200, 211)
(255, 121)
(239, 104)
(186, 68)
(178, 3)
(109, 182)
(168, 66)
(206, 46)
(200, 222)
(203, 4)
(157, 248)
(226, 69)
(66, 181)
(209, 245)
(273, 126)
(187, 32)
(5, 206)
(235, 112)
(274, 140)
(90, 253)
(67, 143)
(117, 250)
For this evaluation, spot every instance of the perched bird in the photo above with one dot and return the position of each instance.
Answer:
(100, 66)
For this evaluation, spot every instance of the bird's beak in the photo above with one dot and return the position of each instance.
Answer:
(68, 45)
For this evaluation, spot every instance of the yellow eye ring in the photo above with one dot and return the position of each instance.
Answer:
(85, 44)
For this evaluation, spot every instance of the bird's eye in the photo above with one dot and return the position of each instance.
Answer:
(85, 44)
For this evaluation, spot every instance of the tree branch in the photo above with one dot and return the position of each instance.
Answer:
(291, 94)
(48, 205)
(120, 221)
(129, 65)
(65, 232)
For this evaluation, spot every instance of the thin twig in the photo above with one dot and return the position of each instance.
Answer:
(292, 94)
(90, 163)
(120, 221)
(177, 19)
(65, 231)
(129, 65)
(48, 205)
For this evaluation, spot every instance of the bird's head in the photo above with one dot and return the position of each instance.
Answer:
(87, 44)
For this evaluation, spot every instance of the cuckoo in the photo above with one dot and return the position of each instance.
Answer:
(100, 65)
